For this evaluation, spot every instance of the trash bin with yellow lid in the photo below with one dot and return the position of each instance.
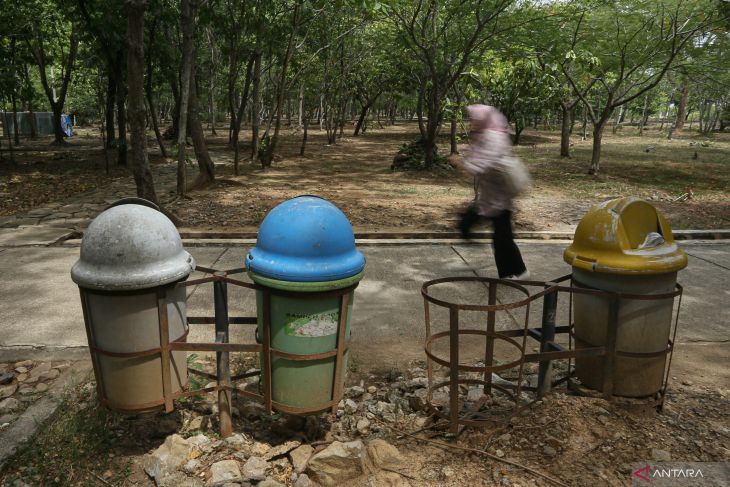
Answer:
(625, 246)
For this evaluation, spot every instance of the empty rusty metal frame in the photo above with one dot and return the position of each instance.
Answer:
(225, 383)
(550, 349)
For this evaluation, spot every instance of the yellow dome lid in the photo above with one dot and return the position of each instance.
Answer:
(625, 236)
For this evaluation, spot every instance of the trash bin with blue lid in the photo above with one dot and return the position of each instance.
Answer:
(307, 266)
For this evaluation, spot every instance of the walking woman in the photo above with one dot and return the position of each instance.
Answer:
(490, 150)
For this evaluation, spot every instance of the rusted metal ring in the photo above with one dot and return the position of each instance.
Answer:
(141, 353)
(472, 368)
(475, 307)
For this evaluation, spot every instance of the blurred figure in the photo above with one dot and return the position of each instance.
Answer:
(490, 150)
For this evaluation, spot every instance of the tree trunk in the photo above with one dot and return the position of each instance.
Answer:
(304, 136)
(187, 19)
(596, 154)
(31, 115)
(121, 121)
(419, 108)
(150, 98)
(617, 122)
(452, 135)
(16, 126)
(49, 88)
(301, 104)
(361, 119)
(111, 93)
(565, 131)
(238, 116)
(282, 89)
(682, 107)
(584, 127)
(256, 94)
(644, 115)
(205, 163)
(135, 82)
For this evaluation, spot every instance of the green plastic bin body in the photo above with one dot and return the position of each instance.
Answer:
(303, 326)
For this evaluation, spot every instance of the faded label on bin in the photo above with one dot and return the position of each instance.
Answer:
(311, 325)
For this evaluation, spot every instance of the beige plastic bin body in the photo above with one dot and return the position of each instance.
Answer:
(129, 323)
(644, 326)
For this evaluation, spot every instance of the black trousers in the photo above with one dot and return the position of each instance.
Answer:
(507, 255)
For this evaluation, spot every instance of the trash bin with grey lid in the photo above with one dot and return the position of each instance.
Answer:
(131, 259)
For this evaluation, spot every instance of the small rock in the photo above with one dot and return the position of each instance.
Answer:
(388, 479)
(505, 438)
(363, 426)
(41, 387)
(350, 406)
(21, 370)
(417, 383)
(337, 463)
(549, 451)
(660, 455)
(303, 481)
(224, 470)
(260, 449)
(22, 377)
(236, 440)
(687, 382)
(9, 405)
(50, 375)
(7, 391)
(269, 482)
(40, 369)
(24, 363)
(554, 442)
(192, 466)
(474, 394)
(179, 479)
(499, 453)
(383, 454)
(354, 392)
(196, 423)
(26, 391)
(372, 389)
(300, 456)
(417, 400)
(255, 469)
(167, 458)
(281, 450)
(6, 377)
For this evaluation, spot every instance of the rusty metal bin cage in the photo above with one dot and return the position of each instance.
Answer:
(556, 342)
(226, 384)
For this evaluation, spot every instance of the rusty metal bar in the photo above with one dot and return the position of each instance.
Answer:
(232, 320)
(216, 347)
(339, 357)
(489, 348)
(92, 344)
(545, 371)
(454, 371)
(267, 349)
(223, 370)
(609, 360)
(164, 348)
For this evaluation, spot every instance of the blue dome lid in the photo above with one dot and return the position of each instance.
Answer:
(305, 239)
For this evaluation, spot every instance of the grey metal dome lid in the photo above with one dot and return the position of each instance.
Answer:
(129, 247)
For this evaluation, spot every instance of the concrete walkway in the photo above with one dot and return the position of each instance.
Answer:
(41, 314)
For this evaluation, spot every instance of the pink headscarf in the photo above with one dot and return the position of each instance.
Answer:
(485, 117)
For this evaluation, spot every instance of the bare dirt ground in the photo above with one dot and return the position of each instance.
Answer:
(356, 175)
(562, 440)
(687, 178)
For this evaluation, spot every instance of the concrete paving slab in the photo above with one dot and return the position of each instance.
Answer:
(33, 235)
(40, 303)
(40, 307)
